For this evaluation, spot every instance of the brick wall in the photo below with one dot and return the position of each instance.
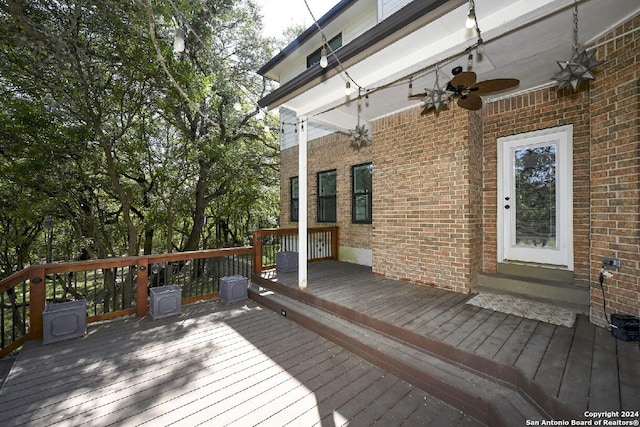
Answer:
(426, 191)
(435, 181)
(327, 153)
(615, 170)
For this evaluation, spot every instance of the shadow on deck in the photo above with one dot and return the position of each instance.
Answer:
(563, 373)
(214, 364)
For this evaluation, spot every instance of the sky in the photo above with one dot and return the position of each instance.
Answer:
(280, 14)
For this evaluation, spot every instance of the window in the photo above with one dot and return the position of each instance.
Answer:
(327, 196)
(294, 198)
(335, 44)
(361, 200)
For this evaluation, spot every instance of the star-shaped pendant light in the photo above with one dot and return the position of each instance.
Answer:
(580, 67)
(360, 135)
(436, 97)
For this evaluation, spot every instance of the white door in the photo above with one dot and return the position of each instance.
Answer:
(535, 198)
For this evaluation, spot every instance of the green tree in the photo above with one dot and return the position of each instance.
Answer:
(121, 139)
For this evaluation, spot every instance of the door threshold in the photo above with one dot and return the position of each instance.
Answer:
(553, 273)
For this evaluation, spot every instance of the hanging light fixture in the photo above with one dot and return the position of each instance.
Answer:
(360, 135)
(471, 16)
(472, 24)
(178, 41)
(347, 88)
(411, 86)
(581, 65)
(323, 57)
(437, 97)
(480, 48)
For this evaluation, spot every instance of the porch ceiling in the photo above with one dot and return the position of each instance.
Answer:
(523, 40)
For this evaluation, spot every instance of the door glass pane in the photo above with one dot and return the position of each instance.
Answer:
(535, 204)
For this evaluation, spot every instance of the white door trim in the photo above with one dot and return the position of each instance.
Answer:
(563, 136)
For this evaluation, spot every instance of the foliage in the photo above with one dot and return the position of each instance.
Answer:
(536, 188)
(128, 145)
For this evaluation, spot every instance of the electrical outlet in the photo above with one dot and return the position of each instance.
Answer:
(612, 262)
(283, 312)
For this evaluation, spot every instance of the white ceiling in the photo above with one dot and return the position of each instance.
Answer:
(523, 40)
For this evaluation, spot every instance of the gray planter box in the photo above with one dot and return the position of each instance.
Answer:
(233, 288)
(165, 301)
(287, 261)
(63, 321)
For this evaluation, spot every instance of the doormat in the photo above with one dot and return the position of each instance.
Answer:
(525, 308)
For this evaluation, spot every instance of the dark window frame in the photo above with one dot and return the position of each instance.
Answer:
(327, 209)
(355, 195)
(294, 205)
(335, 43)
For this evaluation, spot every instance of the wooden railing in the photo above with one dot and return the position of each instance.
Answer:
(322, 244)
(120, 286)
(112, 287)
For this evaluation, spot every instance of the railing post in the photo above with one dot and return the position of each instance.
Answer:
(142, 306)
(37, 299)
(334, 243)
(257, 252)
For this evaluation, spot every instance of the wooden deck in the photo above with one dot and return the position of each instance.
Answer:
(567, 371)
(215, 364)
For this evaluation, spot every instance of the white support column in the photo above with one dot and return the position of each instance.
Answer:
(302, 202)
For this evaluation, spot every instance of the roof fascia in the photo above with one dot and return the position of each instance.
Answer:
(306, 35)
(408, 19)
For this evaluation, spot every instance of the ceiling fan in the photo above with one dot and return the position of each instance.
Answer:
(464, 87)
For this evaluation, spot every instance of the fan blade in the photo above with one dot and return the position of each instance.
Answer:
(417, 96)
(495, 85)
(464, 79)
(470, 102)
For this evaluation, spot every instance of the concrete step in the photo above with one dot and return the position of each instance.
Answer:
(481, 396)
(561, 294)
(535, 271)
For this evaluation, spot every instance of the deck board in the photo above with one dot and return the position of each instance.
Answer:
(433, 314)
(574, 387)
(604, 366)
(553, 362)
(584, 358)
(535, 348)
(513, 346)
(460, 334)
(482, 332)
(460, 318)
(216, 364)
(421, 304)
(629, 374)
(239, 363)
(499, 337)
